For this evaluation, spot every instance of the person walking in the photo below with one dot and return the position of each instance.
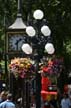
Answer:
(3, 96)
(70, 101)
(65, 101)
(8, 103)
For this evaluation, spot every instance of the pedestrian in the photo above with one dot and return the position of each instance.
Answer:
(3, 96)
(8, 103)
(70, 101)
(65, 101)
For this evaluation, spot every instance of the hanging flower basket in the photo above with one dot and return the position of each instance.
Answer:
(53, 67)
(22, 67)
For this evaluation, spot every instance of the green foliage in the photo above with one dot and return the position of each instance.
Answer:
(2, 63)
(68, 47)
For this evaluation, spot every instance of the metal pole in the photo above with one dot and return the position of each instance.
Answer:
(19, 6)
(38, 85)
(5, 53)
(38, 75)
(27, 94)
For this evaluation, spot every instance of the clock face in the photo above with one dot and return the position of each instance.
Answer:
(15, 42)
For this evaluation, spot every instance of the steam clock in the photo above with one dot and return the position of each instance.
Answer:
(15, 36)
(14, 39)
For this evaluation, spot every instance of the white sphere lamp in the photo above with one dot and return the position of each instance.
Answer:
(49, 48)
(38, 14)
(26, 48)
(30, 31)
(46, 30)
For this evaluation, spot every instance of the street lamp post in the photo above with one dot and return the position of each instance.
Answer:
(39, 40)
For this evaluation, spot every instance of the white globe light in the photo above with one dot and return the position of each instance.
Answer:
(45, 30)
(26, 48)
(38, 14)
(51, 51)
(30, 31)
(49, 48)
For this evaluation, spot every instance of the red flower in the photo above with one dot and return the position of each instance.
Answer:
(45, 69)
